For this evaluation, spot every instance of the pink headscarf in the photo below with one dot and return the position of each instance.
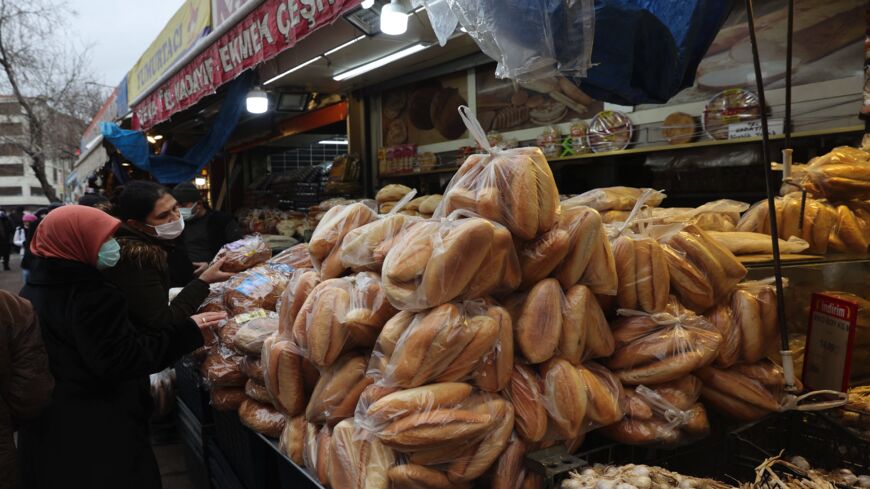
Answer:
(73, 232)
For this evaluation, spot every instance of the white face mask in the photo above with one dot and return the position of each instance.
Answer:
(170, 230)
(186, 212)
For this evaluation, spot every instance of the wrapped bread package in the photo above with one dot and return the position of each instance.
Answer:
(296, 256)
(257, 288)
(338, 390)
(847, 235)
(750, 243)
(447, 417)
(548, 321)
(252, 367)
(525, 393)
(575, 250)
(642, 271)
(747, 321)
(300, 285)
(817, 225)
(227, 398)
(392, 193)
(717, 215)
(746, 392)
(665, 414)
(340, 314)
(251, 335)
(514, 187)
(440, 261)
(366, 247)
(842, 174)
(757, 219)
(243, 254)
(701, 270)
(509, 470)
(414, 476)
(615, 198)
(292, 441)
(262, 418)
(358, 461)
(283, 375)
(663, 346)
(318, 442)
(603, 396)
(452, 342)
(257, 392)
(325, 244)
(221, 368)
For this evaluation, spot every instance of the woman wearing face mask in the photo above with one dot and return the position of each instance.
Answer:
(150, 223)
(94, 432)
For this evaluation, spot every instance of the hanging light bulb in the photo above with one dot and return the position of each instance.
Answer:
(368, 4)
(257, 102)
(394, 18)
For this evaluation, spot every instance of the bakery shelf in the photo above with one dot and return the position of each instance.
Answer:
(290, 474)
(419, 173)
(705, 143)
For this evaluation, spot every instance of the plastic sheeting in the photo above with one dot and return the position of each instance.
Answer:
(174, 169)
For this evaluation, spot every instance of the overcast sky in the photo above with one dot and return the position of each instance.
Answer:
(119, 31)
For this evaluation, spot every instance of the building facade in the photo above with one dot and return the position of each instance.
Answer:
(18, 183)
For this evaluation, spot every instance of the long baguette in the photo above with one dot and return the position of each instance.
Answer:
(739, 386)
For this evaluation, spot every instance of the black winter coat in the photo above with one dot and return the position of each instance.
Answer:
(94, 433)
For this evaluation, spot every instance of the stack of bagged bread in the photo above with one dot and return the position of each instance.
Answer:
(390, 197)
(615, 203)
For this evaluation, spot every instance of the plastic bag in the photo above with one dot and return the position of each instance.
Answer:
(566, 251)
(338, 390)
(847, 235)
(253, 369)
(300, 285)
(750, 243)
(324, 246)
(296, 256)
(435, 416)
(446, 344)
(243, 254)
(227, 332)
(757, 220)
(414, 476)
(819, 220)
(283, 376)
(251, 335)
(842, 174)
(548, 321)
(227, 399)
(525, 394)
(358, 463)
(340, 314)
(509, 470)
(745, 392)
(316, 455)
(365, 248)
(257, 288)
(257, 392)
(642, 270)
(162, 391)
(221, 368)
(441, 261)
(747, 322)
(292, 441)
(701, 270)
(261, 418)
(513, 187)
(530, 40)
(718, 215)
(603, 394)
(615, 198)
(666, 414)
(661, 347)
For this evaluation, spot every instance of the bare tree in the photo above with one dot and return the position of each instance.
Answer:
(50, 80)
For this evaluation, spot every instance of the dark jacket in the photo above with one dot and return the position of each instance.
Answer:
(27, 256)
(25, 382)
(143, 275)
(222, 229)
(94, 433)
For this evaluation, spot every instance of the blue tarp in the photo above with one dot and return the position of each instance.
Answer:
(646, 51)
(174, 169)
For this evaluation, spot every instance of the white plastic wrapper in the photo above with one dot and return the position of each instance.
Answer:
(746, 392)
(513, 187)
(366, 247)
(325, 244)
(616, 198)
(747, 321)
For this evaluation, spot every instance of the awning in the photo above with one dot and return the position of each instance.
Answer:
(268, 30)
(92, 160)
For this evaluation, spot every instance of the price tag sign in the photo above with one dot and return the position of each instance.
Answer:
(752, 128)
(830, 340)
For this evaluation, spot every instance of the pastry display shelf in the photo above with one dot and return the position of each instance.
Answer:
(292, 475)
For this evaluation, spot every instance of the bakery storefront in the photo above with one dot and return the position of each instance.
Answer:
(509, 279)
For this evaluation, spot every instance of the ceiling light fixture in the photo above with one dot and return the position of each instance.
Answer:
(199, 181)
(257, 102)
(291, 70)
(342, 142)
(348, 43)
(394, 18)
(359, 70)
(151, 139)
(158, 137)
(367, 3)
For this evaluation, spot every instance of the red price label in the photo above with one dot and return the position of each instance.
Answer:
(830, 341)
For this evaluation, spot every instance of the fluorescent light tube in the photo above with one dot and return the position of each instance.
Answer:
(359, 70)
(348, 43)
(291, 70)
(333, 141)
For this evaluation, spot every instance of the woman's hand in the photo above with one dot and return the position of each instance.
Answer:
(213, 274)
(206, 321)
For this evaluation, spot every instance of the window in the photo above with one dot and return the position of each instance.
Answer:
(11, 128)
(10, 191)
(10, 108)
(12, 170)
(36, 191)
(10, 150)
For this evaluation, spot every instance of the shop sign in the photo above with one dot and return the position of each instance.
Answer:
(752, 128)
(268, 30)
(222, 10)
(830, 341)
(108, 113)
(190, 23)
